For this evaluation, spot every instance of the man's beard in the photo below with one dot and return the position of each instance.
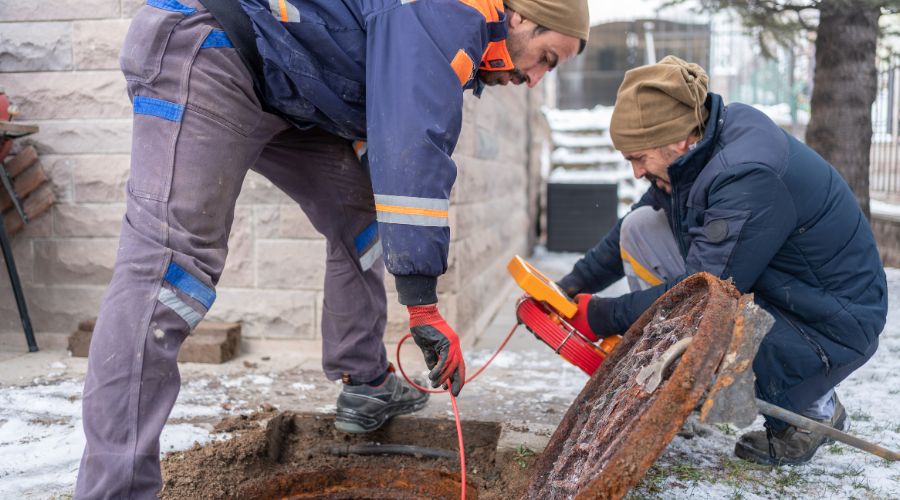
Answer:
(515, 44)
(496, 77)
(669, 155)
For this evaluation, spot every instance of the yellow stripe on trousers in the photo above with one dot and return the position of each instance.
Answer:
(640, 270)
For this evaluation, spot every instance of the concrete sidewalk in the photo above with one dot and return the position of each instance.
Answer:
(526, 382)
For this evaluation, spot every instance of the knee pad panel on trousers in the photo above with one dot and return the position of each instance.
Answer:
(639, 221)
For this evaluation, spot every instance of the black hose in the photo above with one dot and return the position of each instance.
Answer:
(390, 449)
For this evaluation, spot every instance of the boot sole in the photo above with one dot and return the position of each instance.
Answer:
(354, 423)
(753, 455)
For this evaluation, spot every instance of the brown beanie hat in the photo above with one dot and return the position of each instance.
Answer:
(569, 17)
(659, 104)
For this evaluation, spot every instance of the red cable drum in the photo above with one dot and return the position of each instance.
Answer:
(559, 335)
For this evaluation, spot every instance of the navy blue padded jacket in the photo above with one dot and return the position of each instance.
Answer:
(795, 237)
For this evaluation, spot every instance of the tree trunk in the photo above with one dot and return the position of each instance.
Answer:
(844, 86)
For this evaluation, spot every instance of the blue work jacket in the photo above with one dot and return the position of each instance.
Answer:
(390, 73)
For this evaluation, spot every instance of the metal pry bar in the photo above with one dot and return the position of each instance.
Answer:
(813, 426)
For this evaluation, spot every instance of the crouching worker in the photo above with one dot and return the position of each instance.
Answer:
(734, 195)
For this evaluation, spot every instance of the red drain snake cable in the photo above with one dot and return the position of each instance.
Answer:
(459, 435)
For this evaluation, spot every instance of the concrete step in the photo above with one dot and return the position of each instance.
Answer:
(211, 342)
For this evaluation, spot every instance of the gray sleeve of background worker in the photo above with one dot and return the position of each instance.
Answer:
(602, 265)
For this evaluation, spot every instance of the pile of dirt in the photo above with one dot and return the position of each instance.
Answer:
(268, 453)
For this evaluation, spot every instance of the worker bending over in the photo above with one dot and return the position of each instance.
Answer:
(284, 87)
(734, 195)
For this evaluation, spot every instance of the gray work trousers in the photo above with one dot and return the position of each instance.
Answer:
(650, 256)
(198, 129)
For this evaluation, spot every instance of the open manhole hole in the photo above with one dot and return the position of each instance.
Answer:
(612, 433)
(300, 456)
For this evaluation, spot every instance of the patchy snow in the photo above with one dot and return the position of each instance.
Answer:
(884, 209)
(561, 175)
(566, 156)
(566, 140)
(883, 138)
(254, 379)
(705, 466)
(579, 120)
(781, 114)
(41, 437)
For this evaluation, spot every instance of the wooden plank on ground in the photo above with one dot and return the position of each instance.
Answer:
(24, 185)
(35, 205)
(21, 161)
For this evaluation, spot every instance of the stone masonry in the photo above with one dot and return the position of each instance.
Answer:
(59, 65)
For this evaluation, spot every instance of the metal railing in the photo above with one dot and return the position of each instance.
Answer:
(884, 166)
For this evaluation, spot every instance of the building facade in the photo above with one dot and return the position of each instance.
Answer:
(59, 65)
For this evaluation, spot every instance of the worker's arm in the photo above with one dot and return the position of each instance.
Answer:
(420, 56)
(601, 266)
(749, 217)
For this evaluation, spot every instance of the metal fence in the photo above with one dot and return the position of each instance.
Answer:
(884, 167)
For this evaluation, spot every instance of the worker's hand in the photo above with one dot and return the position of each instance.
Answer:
(571, 284)
(440, 345)
(580, 320)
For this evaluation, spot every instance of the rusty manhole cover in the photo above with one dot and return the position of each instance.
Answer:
(615, 429)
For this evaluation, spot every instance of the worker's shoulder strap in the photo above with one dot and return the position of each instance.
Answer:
(237, 26)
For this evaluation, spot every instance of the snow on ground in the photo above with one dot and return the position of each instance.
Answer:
(884, 209)
(41, 436)
(41, 439)
(705, 467)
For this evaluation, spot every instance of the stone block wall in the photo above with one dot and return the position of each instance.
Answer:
(59, 65)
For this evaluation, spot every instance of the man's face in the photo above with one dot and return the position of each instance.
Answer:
(534, 52)
(653, 164)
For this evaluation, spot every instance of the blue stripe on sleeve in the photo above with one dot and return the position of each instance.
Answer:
(366, 237)
(187, 283)
(216, 39)
(157, 107)
(172, 5)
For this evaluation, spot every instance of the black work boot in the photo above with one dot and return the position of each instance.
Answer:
(365, 408)
(791, 446)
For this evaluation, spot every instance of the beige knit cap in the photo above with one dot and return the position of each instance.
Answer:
(569, 17)
(659, 104)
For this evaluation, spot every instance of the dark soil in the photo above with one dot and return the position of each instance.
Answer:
(289, 455)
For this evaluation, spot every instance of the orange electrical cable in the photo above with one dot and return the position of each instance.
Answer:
(459, 435)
